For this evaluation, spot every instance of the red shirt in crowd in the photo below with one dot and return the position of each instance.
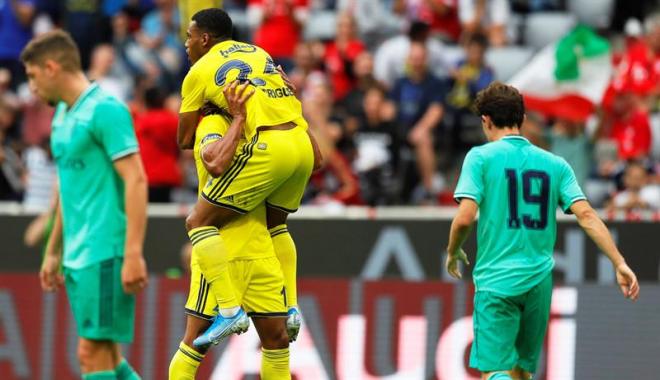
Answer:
(633, 135)
(335, 62)
(279, 32)
(156, 133)
(446, 23)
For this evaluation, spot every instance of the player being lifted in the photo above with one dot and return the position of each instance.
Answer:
(516, 187)
(272, 168)
(253, 268)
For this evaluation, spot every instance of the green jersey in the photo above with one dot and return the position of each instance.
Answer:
(85, 140)
(518, 188)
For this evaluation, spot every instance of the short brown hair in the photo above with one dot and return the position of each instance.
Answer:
(502, 103)
(56, 45)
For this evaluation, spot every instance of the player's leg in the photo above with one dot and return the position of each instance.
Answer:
(264, 301)
(285, 250)
(104, 315)
(496, 322)
(284, 200)
(201, 309)
(533, 327)
(187, 358)
(274, 347)
(500, 375)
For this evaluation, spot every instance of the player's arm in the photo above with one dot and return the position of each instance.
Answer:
(217, 156)
(134, 270)
(192, 101)
(458, 233)
(594, 227)
(49, 275)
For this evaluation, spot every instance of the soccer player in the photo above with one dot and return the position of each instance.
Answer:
(101, 216)
(254, 270)
(273, 167)
(516, 187)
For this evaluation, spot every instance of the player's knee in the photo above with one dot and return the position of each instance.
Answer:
(278, 339)
(191, 221)
(88, 351)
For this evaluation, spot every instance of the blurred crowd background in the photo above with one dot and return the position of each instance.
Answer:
(386, 86)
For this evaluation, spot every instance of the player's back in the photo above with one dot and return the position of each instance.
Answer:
(272, 104)
(522, 186)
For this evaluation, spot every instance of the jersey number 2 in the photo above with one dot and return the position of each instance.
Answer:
(244, 70)
(539, 198)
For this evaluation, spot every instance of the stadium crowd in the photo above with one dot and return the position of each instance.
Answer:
(386, 87)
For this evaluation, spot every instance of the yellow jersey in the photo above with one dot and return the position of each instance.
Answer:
(246, 237)
(273, 103)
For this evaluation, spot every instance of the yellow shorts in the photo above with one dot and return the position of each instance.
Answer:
(274, 167)
(258, 286)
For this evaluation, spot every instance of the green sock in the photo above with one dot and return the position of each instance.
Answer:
(100, 375)
(124, 371)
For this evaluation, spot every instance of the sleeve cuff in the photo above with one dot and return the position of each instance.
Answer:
(567, 209)
(459, 196)
(124, 153)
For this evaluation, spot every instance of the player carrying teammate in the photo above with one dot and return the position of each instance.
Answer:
(516, 187)
(101, 216)
(254, 270)
(273, 167)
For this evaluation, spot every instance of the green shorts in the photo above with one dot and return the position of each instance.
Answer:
(509, 330)
(100, 307)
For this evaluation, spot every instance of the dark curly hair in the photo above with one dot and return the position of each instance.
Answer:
(215, 22)
(502, 103)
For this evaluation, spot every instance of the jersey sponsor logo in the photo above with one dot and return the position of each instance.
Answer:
(281, 92)
(243, 48)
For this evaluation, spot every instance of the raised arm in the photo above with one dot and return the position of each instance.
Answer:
(594, 227)
(218, 155)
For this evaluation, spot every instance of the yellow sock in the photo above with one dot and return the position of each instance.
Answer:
(285, 249)
(212, 257)
(185, 362)
(275, 364)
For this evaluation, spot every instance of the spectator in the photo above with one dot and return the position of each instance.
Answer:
(377, 147)
(340, 56)
(306, 71)
(37, 117)
(41, 177)
(652, 26)
(375, 19)
(159, 37)
(470, 76)
(87, 25)
(109, 75)
(336, 182)
(441, 15)
(15, 31)
(11, 167)
(390, 58)
(487, 16)
(419, 98)
(627, 123)
(363, 69)
(639, 194)
(156, 132)
(273, 19)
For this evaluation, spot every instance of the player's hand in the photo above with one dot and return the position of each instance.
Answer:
(134, 273)
(50, 276)
(286, 79)
(452, 263)
(236, 96)
(627, 281)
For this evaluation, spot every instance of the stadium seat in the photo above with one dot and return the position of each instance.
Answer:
(544, 28)
(321, 25)
(508, 60)
(595, 13)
